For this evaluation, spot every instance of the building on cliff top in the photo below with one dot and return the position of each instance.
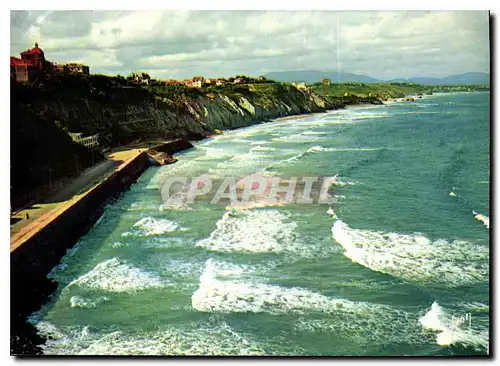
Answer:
(200, 81)
(31, 66)
(326, 81)
(73, 68)
(142, 78)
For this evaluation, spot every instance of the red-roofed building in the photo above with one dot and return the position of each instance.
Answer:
(19, 69)
(31, 66)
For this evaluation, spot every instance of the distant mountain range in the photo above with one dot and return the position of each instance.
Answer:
(312, 76)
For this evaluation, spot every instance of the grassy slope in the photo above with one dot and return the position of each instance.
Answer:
(384, 91)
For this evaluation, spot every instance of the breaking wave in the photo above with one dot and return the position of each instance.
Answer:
(337, 149)
(148, 226)
(361, 115)
(202, 339)
(117, 276)
(414, 257)
(484, 219)
(80, 302)
(228, 297)
(262, 148)
(251, 231)
(453, 332)
(263, 231)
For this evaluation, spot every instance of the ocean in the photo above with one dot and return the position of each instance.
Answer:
(396, 264)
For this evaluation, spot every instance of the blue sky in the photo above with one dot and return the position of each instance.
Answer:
(181, 44)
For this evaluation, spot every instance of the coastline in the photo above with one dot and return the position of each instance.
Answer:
(129, 155)
(299, 116)
(47, 232)
(46, 287)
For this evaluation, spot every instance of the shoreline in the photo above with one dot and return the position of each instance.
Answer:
(298, 116)
(51, 233)
(144, 147)
(46, 286)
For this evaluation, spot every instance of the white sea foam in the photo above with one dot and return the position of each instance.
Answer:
(134, 206)
(475, 307)
(176, 201)
(114, 275)
(386, 325)
(241, 164)
(341, 183)
(214, 295)
(238, 140)
(425, 105)
(151, 226)
(213, 153)
(165, 242)
(202, 339)
(360, 115)
(337, 149)
(142, 206)
(301, 137)
(452, 332)
(80, 302)
(258, 203)
(313, 133)
(291, 160)
(57, 270)
(251, 231)
(99, 220)
(368, 325)
(243, 157)
(484, 219)
(262, 148)
(236, 273)
(260, 142)
(414, 257)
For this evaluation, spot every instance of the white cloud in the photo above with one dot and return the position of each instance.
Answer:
(214, 43)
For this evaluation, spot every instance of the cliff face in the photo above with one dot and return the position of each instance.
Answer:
(122, 112)
(40, 153)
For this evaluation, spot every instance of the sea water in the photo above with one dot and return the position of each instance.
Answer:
(398, 264)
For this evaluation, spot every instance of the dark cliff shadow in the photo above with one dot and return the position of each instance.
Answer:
(13, 220)
(30, 288)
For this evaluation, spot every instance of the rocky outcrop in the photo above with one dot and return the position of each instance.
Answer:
(160, 158)
(355, 100)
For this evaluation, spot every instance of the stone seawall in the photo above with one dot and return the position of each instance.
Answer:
(35, 254)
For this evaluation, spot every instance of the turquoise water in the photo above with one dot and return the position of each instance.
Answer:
(390, 274)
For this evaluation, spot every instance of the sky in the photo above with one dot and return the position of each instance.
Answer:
(181, 44)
